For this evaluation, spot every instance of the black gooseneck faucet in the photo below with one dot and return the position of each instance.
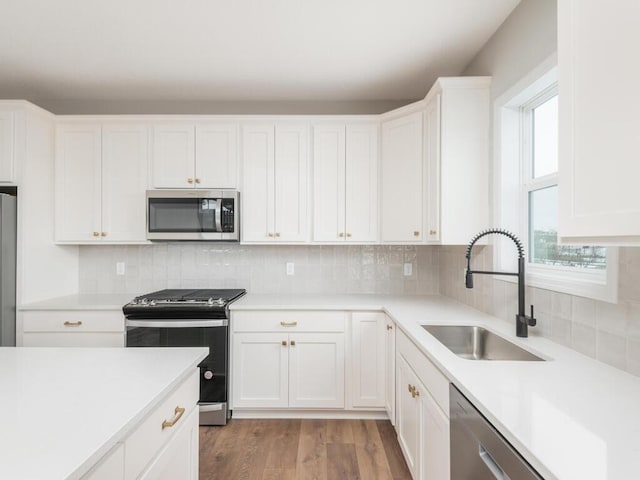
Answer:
(523, 322)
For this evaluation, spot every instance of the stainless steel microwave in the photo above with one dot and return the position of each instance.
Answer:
(208, 215)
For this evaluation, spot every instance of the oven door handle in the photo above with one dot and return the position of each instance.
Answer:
(176, 323)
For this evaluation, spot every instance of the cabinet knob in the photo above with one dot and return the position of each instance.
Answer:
(389, 327)
(103, 234)
(96, 234)
(197, 180)
(269, 234)
(416, 233)
(189, 180)
(415, 393)
(284, 343)
(411, 387)
(432, 232)
(341, 234)
(348, 235)
(293, 343)
(277, 234)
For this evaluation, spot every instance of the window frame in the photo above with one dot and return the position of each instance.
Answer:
(513, 180)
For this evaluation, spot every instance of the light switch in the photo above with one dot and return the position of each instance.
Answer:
(291, 268)
(120, 268)
(408, 269)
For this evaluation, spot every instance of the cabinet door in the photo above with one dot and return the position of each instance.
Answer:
(260, 367)
(361, 191)
(124, 182)
(7, 169)
(257, 200)
(434, 439)
(291, 183)
(598, 137)
(216, 156)
(173, 156)
(432, 153)
(78, 182)
(402, 180)
(316, 370)
(328, 183)
(368, 343)
(409, 415)
(179, 458)
(390, 370)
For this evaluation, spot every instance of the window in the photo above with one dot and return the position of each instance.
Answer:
(526, 193)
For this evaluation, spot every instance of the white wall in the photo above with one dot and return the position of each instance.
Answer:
(608, 332)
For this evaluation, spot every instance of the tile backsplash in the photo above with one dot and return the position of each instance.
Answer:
(605, 331)
(260, 268)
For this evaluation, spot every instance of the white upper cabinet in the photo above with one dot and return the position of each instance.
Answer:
(7, 162)
(275, 183)
(78, 182)
(402, 179)
(195, 156)
(456, 146)
(598, 122)
(124, 182)
(345, 181)
(101, 178)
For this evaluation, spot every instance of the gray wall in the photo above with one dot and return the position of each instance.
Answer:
(608, 332)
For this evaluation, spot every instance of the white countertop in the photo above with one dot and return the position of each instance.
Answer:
(571, 417)
(81, 301)
(64, 408)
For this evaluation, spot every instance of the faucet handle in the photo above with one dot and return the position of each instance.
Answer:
(532, 320)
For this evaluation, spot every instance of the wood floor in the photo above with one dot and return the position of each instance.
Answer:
(300, 450)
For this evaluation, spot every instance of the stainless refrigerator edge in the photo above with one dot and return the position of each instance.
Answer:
(8, 228)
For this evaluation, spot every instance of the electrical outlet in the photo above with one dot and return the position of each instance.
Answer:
(291, 268)
(408, 269)
(120, 268)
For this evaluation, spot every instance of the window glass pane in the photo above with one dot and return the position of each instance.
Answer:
(545, 138)
(543, 236)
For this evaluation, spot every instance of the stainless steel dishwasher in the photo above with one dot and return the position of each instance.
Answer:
(478, 451)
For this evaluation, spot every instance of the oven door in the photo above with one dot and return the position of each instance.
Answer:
(195, 215)
(190, 333)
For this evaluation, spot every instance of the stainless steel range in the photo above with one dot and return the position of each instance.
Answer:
(189, 318)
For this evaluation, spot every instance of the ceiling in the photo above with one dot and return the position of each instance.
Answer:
(238, 50)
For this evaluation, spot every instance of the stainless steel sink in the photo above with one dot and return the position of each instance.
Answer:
(477, 343)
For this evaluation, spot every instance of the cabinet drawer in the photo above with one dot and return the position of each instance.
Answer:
(73, 321)
(146, 441)
(288, 321)
(75, 339)
(436, 382)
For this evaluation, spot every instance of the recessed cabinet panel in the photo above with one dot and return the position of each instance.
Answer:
(257, 201)
(291, 183)
(432, 151)
(216, 156)
(409, 416)
(402, 180)
(7, 161)
(368, 343)
(124, 182)
(78, 182)
(390, 369)
(173, 156)
(328, 183)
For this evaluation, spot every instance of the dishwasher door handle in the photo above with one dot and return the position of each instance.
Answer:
(491, 464)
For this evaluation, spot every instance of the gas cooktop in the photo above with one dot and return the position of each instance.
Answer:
(182, 304)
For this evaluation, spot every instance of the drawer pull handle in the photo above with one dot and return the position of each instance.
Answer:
(411, 388)
(170, 423)
(73, 324)
(415, 393)
(288, 324)
(389, 327)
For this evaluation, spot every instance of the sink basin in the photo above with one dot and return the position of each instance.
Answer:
(477, 343)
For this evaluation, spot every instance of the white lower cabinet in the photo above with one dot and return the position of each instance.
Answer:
(390, 369)
(278, 369)
(164, 446)
(422, 423)
(72, 328)
(368, 348)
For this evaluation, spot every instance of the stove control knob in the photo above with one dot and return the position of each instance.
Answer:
(144, 301)
(208, 375)
(152, 303)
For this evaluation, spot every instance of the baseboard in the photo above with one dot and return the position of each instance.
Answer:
(314, 414)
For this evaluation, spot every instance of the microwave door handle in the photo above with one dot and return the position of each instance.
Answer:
(219, 215)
